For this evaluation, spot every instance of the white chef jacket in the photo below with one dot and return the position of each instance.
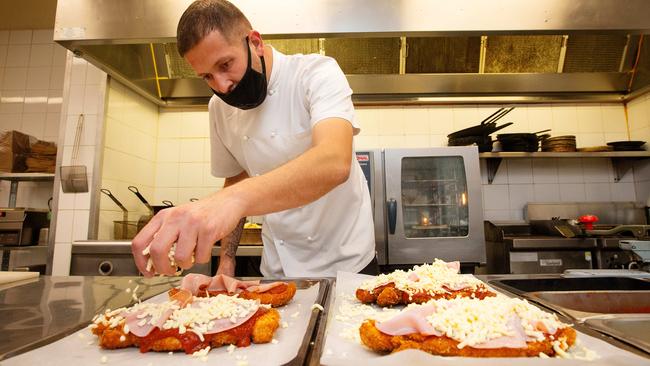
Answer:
(332, 233)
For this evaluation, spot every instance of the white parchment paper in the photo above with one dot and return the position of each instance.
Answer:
(81, 349)
(342, 345)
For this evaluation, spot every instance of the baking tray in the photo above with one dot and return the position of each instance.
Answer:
(79, 346)
(338, 349)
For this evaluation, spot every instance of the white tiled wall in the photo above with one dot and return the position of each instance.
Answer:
(86, 88)
(518, 181)
(32, 68)
(130, 145)
(181, 173)
(639, 119)
(592, 124)
(183, 157)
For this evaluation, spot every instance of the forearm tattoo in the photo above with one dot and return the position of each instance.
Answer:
(231, 241)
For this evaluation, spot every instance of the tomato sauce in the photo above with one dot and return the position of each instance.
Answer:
(192, 343)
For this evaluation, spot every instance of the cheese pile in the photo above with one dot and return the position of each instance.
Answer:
(433, 278)
(473, 322)
(200, 317)
(172, 262)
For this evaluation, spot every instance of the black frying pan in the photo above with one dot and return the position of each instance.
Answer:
(486, 127)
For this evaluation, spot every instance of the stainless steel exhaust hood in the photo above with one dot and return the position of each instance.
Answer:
(408, 51)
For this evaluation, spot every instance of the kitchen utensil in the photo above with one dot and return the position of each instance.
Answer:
(595, 149)
(143, 220)
(137, 193)
(486, 127)
(588, 221)
(559, 144)
(526, 142)
(74, 178)
(122, 229)
(555, 227)
(484, 143)
(627, 145)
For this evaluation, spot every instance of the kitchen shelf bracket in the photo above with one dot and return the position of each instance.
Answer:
(622, 161)
(621, 167)
(492, 168)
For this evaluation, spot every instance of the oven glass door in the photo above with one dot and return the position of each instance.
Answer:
(434, 197)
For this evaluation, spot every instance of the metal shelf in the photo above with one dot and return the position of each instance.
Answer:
(30, 177)
(428, 204)
(427, 180)
(14, 178)
(622, 161)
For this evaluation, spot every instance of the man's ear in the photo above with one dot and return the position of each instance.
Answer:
(256, 40)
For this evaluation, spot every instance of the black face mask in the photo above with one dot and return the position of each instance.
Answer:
(251, 89)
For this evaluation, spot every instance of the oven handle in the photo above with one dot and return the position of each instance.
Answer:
(392, 215)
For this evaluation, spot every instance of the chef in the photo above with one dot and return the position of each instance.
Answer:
(281, 133)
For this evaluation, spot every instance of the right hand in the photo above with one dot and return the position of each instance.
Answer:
(195, 227)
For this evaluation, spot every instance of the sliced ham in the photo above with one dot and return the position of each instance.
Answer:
(454, 265)
(516, 340)
(196, 283)
(410, 321)
(133, 321)
(414, 320)
(263, 287)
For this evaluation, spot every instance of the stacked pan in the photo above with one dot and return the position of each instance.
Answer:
(480, 135)
(522, 142)
(559, 144)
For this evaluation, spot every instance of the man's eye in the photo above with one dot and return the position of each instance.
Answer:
(207, 77)
(225, 65)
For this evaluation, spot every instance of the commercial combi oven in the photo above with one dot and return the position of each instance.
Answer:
(427, 204)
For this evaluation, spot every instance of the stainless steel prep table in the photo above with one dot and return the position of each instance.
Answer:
(92, 257)
(48, 308)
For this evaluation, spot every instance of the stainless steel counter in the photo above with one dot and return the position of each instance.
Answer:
(124, 247)
(114, 258)
(49, 308)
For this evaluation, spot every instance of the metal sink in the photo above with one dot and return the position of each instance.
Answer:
(617, 306)
(521, 286)
(583, 304)
(632, 329)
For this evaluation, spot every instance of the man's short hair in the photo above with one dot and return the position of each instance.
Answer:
(205, 16)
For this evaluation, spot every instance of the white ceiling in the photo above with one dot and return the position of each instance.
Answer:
(27, 14)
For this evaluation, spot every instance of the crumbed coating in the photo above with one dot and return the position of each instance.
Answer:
(281, 296)
(262, 332)
(266, 326)
(380, 342)
(276, 296)
(388, 295)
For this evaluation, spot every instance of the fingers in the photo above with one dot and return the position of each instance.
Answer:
(160, 247)
(185, 248)
(142, 241)
(205, 242)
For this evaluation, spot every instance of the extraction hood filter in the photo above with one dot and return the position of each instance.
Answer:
(293, 46)
(365, 55)
(580, 55)
(442, 55)
(408, 51)
(523, 54)
(177, 67)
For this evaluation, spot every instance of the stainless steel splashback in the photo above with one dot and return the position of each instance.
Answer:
(134, 42)
(609, 213)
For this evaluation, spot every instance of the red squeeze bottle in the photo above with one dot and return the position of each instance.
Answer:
(588, 221)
